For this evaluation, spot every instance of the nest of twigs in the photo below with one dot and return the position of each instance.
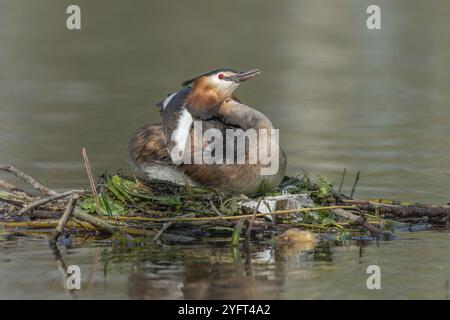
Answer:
(158, 211)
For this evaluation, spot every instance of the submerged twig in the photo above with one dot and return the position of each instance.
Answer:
(248, 230)
(30, 180)
(62, 267)
(164, 228)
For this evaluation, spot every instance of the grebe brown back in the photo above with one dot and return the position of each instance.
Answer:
(210, 104)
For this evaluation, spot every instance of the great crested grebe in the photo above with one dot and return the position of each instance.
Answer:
(168, 151)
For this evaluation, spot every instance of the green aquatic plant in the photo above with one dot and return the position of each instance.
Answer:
(237, 233)
(325, 188)
(108, 206)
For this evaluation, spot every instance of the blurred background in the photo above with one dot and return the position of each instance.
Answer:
(342, 96)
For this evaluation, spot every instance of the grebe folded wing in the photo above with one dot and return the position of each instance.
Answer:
(177, 122)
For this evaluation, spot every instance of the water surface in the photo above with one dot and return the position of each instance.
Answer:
(29, 270)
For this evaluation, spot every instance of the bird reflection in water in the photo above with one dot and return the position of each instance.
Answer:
(220, 273)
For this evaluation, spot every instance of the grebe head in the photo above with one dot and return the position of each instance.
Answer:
(222, 81)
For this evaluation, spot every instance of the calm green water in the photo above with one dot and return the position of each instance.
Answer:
(341, 95)
(413, 267)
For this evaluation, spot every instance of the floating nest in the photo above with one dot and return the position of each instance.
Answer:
(129, 209)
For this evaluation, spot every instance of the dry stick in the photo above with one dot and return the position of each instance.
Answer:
(73, 223)
(400, 210)
(102, 224)
(99, 223)
(13, 189)
(354, 184)
(232, 217)
(88, 222)
(47, 223)
(42, 201)
(6, 185)
(91, 181)
(267, 206)
(83, 224)
(30, 180)
(105, 226)
(13, 198)
(342, 180)
(65, 217)
(361, 221)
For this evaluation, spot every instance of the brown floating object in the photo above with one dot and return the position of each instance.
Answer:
(295, 237)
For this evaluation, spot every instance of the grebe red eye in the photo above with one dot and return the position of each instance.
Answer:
(221, 76)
